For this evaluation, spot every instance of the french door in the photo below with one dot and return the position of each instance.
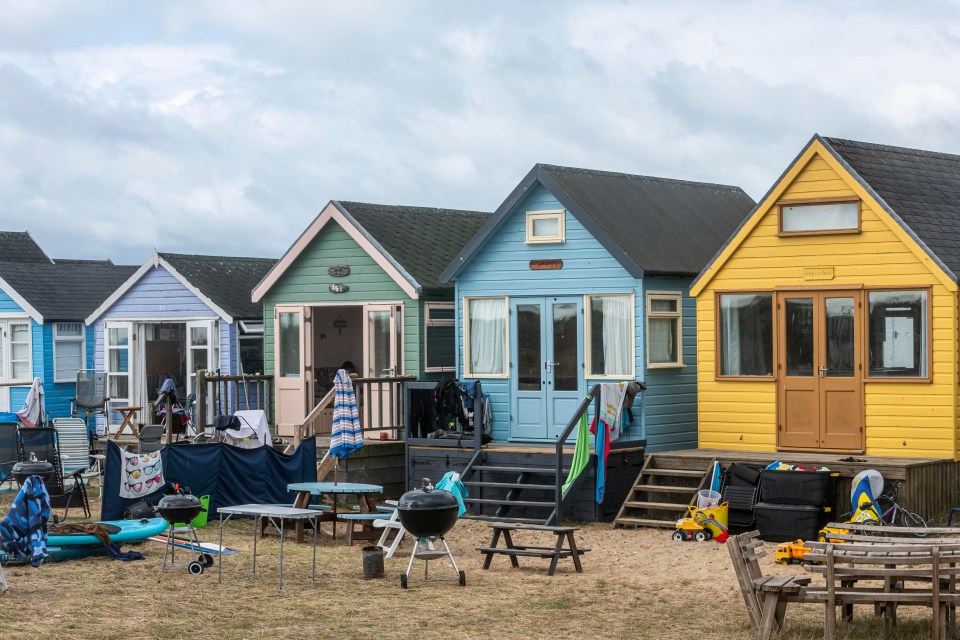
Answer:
(820, 370)
(383, 358)
(293, 367)
(546, 365)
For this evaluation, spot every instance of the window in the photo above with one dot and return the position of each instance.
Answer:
(486, 337)
(250, 347)
(289, 330)
(610, 336)
(664, 341)
(820, 217)
(15, 362)
(439, 342)
(746, 334)
(545, 227)
(68, 348)
(897, 334)
(118, 362)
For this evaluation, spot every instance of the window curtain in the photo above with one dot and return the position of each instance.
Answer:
(730, 316)
(661, 340)
(617, 335)
(488, 321)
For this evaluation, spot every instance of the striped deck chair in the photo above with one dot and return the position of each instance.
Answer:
(65, 490)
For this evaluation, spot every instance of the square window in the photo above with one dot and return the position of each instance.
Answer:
(486, 336)
(664, 329)
(746, 334)
(897, 334)
(68, 351)
(610, 327)
(820, 217)
(439, 338)
(545, 227)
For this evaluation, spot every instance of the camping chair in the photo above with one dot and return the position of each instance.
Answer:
(8, 450)
(151, 438)
(91, 398)
(74, 442)
(390, 525)
(44, 443)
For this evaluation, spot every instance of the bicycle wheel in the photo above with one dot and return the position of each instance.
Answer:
(905, 518)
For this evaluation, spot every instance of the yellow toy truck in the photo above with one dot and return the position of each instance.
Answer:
(790, 552)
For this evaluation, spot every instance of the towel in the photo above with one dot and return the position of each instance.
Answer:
(451, 482)
(31, 414)
(23, 533)
(611, 404)
(140, 474)
(581, 454)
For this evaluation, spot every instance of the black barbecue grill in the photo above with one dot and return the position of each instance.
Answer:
(182, 507)
(428, 514)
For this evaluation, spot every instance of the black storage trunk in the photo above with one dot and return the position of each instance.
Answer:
(797, 487)
(786, 522)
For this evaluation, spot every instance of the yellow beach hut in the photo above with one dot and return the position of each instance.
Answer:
(828, 322)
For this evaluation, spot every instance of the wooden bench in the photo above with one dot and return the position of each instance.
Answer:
(555, 553)
(353, 519)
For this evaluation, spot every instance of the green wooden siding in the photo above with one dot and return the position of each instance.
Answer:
(307, 281)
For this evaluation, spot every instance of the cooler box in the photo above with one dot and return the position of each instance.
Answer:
(797, 487)
(786, 522)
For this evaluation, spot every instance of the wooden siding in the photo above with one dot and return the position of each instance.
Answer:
(307, 282)
(502, 268)
(7, 305)
(902, 419)
(56, 395)
(158, 294)
(670, 401)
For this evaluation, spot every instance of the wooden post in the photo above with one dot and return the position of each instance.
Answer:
(168, 417)
(201, 381)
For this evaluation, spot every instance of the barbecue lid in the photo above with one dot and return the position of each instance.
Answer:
(32, 467)
(179, 501)
(427, 499)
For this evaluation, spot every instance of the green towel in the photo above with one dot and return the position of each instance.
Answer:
(581, 453)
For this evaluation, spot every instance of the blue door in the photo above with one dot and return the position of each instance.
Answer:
(546, 365)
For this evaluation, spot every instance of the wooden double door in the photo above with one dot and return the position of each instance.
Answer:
(820, 370)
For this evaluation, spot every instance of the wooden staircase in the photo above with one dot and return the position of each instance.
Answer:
(663, 490)
(502, 492)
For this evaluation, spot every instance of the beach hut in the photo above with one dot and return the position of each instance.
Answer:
(43, 303)
(173, 316)
(827, 324)
(360, 287)
(581, 277)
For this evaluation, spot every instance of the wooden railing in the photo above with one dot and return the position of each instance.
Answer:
(229, 393)
(380, 401)
(308, 428)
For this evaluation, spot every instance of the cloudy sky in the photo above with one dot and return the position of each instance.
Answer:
(224, 127)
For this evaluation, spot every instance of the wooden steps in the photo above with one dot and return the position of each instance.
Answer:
(502, 491)
(662, 491)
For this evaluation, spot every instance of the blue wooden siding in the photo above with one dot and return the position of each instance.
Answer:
(502, 268)
(7, 305)
(670, 401)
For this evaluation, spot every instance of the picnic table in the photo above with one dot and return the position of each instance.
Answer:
(365, 498)
(555, 553)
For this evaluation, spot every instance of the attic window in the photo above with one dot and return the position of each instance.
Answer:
(819, 217)
(545, 227)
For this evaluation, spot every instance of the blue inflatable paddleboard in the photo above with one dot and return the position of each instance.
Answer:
(120, 531)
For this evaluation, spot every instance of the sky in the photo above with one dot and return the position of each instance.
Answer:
(224, 127)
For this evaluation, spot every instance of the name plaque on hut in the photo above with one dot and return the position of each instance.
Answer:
(336, 287)
(339, 270)
(818, 273)
(546, 265)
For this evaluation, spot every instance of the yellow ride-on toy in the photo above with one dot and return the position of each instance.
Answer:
(702, 525)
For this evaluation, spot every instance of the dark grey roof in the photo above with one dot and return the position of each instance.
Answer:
(226, 280)
(650, 225)
(68, 290)
(920, 189)
(421, 240)
(19, 246)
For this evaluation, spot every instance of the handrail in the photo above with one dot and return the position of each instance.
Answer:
(313, 415)
(594, 395)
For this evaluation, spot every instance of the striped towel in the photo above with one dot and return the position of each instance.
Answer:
(346, 436)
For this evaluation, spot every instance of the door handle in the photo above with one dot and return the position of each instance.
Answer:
(823, 371)
(550, 365)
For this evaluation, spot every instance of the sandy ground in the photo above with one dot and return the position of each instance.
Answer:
(635, 584)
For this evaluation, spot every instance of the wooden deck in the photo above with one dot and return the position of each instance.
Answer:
(931, 486)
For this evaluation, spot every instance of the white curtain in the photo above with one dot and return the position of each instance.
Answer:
(661, 340)
(617, 335)
(730, 334)
(488, 322)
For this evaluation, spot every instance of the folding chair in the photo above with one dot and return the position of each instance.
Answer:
(74, 442)
(390, 525)
(151, 438)
(44, 444)
(91, 398)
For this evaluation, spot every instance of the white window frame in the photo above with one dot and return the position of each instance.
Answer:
(427, 306)
(559, 214)
(110, 373)
(82, 339)
(467, 373)
(676, 316)
(6, 361)
(588, 337)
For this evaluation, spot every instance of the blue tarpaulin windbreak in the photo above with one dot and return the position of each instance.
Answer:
(228, 474)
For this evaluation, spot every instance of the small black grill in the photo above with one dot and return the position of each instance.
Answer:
(428, 514)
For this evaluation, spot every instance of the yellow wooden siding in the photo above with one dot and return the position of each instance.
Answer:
(902, 419)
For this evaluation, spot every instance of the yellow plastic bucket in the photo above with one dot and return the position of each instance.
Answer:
(720, 513)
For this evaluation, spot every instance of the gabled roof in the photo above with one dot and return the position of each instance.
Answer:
(650, 225)
(412, 244)
(919, 190)
(61, 290)
(19, 246)
(223, 283)
(226, 280)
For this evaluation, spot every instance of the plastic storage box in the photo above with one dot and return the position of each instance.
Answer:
(786, 522)
(797, 487)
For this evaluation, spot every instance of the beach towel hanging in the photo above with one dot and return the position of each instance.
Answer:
(23, 532)
(140, 474)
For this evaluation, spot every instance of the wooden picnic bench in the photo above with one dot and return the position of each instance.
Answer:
(555, 553)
